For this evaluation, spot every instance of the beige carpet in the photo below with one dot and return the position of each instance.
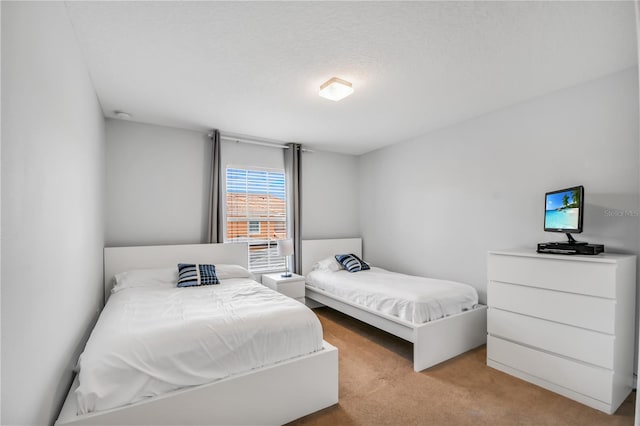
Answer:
(379, 387)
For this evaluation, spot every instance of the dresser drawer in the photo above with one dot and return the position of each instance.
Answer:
(588, 312)
(292, 289)
(564, 274)
(591, 381)
(573, 342)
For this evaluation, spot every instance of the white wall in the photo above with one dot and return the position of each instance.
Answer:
(329, 200)
(0, 223)
(157, 184)
(637, 413)
(249, 155)
(434, 206)
(161, 175)
(52, 200)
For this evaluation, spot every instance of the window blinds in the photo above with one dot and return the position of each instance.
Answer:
(256, 214)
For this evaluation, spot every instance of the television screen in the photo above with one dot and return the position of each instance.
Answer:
(563, 210)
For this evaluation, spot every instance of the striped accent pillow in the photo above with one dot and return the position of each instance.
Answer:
(190, 274)
(351, 262)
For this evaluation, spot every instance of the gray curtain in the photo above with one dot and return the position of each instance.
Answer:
(215, 228)
(292, 157)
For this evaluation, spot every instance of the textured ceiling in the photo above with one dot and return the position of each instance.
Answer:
(255, 68)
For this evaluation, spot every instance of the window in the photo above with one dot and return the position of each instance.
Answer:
(256, 213)
(254, 227)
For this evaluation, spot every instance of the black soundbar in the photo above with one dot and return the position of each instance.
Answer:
(568, 248)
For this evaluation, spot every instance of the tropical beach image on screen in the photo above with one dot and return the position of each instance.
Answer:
(562, 210)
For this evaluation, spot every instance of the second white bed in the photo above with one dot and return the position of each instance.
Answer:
(411, 298)
(434, 340)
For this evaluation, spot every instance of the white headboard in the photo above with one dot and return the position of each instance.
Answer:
(314, 250)
(121, 259)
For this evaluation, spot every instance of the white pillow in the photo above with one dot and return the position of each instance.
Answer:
(328, 264)
(224, 272)
(167, 277)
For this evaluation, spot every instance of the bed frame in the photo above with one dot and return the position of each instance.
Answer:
(433, 342)
(271, 395)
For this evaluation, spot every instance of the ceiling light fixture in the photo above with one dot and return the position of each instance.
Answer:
(336, 89)
(122, 114)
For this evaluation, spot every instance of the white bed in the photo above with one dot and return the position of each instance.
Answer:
(283, 390)
(434, 341)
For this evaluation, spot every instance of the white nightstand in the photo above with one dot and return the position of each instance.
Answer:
(292, 286)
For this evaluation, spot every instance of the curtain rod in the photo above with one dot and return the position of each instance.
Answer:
(252, 141)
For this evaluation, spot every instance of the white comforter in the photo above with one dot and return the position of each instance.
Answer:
(411, 298)
(153, 340)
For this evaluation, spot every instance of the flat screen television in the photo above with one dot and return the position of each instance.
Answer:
(564, 211)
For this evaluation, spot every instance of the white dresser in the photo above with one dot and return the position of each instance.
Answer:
(565, 323)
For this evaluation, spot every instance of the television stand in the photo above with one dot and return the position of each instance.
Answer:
(572, 241)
